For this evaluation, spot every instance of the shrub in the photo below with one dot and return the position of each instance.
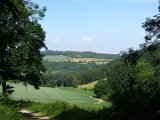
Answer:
(102, 89)
(11, 113)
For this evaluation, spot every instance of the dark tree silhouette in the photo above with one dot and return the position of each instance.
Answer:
(135, 80)
(21, 38)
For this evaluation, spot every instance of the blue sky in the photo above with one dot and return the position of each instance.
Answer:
(104, 26)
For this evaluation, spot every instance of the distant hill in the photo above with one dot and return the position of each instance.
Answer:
(85, 54)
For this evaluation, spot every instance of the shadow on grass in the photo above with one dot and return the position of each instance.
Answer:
(106, 114)
(64, 111)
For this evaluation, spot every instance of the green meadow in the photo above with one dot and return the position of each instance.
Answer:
(74, 96)
(56, 58)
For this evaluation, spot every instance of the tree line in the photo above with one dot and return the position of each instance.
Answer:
(85, 54)
(134, 81)
(73, 78)
(68, 66)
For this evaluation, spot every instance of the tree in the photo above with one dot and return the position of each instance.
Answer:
(21, 37)
(135, 80)
(75, 83)
(6, 5)
(102, 89)
(47, 80)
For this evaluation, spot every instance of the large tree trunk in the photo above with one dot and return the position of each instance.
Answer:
(4, 88)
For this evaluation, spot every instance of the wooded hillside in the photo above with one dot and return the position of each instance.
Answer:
(85, 54)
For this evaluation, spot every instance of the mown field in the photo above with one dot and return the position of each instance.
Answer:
(45, 94)
(56, 58)
(88, 86)
(62, 58)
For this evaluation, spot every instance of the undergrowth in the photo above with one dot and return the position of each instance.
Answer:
(10, 110)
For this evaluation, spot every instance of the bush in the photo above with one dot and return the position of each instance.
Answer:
(11, 113)
(50, 108)
(102, 89)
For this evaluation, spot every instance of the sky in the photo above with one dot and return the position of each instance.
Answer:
(103, 26)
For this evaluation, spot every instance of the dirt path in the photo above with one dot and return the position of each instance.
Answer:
(37, 116)
(98, 101)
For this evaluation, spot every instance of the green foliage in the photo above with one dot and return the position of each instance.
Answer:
(67, 73)
(63, 79)
(23, 37)
(144, 69)
(151, 26)
(9, 110)
(66, 111)
(92, 75)
(11, 113)
(68, 66)
(135, 90)
(121, 79)
(135, 79)
(51, 108)
(63, 110)
(76, 113)
(47, 80)
(75, 83)
(77, 54)
(102, 89)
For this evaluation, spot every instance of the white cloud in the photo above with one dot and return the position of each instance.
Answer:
(87, 39)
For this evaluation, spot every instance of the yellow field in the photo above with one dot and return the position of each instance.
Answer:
(87, 60)
(88, 86)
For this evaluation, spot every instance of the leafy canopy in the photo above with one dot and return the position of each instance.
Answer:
(21, 38)
(135, 80)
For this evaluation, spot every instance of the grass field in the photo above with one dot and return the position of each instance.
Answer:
(45, 94)
(88, 86)
(56, 58)
(61, 58)
(88, 60)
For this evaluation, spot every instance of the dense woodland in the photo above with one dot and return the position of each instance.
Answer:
(66, 73)
(68, 66)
